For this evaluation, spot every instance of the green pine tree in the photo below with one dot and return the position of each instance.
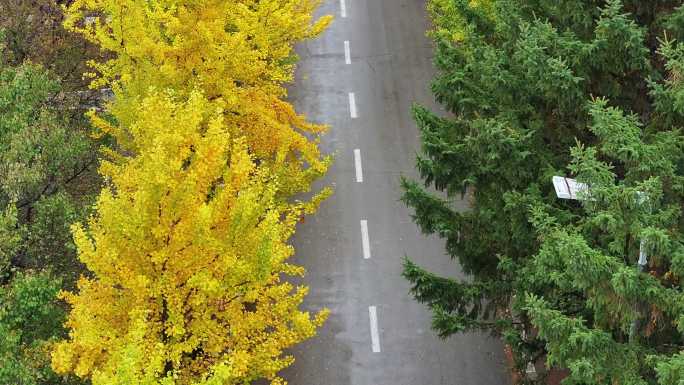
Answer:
(592, 90)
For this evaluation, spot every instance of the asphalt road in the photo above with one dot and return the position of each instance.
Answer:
(389, 69)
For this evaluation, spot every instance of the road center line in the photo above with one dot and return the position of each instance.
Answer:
(357, 164)
(365, 242)
(347, 52)
(352, 105)
(375, 336)
(343, 8)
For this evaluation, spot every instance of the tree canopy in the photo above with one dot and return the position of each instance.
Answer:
(188, 280)
(585, 89)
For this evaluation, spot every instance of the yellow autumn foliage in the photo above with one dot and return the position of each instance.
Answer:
(238, 52)
(188, 247)
(188, 251)
(449, 23)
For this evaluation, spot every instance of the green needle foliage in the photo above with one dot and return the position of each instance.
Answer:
(592, 90)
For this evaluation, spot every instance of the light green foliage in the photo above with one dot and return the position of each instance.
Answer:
(45, 153)
(585, 89)
(39, 149)
(29, 321)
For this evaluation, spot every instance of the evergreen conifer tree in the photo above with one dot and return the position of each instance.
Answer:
(592, 90)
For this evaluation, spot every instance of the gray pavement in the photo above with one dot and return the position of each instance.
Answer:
(390, 69)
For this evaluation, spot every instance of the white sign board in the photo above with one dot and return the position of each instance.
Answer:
(567, 188)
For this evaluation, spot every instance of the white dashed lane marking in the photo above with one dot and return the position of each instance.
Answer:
(375, 336)
(352, 106)
(365, 242)
(347, 52)
(358, 166)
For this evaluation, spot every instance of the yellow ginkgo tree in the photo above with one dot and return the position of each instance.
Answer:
(239, 52)
(188, 253)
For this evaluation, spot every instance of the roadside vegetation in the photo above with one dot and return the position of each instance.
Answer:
(48, 180)
(590, 90)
